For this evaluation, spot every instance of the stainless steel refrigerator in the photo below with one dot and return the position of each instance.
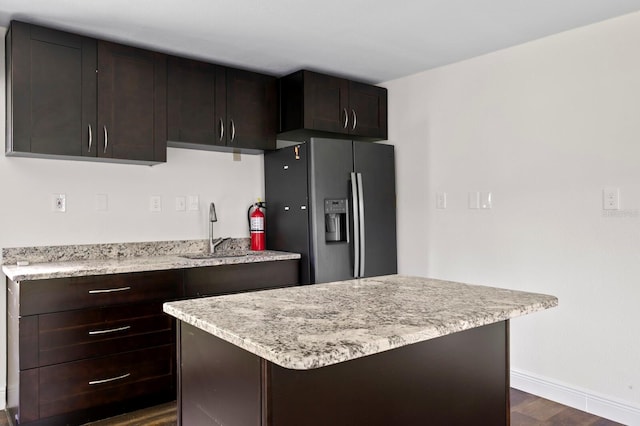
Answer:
(334, 202)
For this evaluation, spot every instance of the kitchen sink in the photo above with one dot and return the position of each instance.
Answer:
(215, 255)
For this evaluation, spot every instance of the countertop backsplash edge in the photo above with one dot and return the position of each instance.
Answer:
(114, 251)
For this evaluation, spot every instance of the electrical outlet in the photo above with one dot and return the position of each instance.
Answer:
(59, 203)
(611, 199)
(155, 203)
(441, 200)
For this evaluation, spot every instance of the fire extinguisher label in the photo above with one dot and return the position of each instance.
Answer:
(257, 224)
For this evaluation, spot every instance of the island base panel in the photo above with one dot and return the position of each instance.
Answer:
(219, 383)
(459, 379)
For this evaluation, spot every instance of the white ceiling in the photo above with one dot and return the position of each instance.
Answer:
(368, 40)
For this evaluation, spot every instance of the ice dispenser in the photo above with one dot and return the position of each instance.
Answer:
(335, 220)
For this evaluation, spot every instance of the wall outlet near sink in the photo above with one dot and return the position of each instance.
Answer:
(59, 203)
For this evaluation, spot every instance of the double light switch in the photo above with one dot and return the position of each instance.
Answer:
(480, 200)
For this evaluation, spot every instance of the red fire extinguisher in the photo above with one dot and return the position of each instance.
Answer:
(256, 225)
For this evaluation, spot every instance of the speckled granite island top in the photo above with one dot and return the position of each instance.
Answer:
(318, 325)
(102, 259)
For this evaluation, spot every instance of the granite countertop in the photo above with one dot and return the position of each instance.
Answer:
(314, 326)
(101, 259)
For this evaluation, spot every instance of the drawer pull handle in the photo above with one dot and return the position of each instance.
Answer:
(109, 290)
(111, 330)
(99, 382)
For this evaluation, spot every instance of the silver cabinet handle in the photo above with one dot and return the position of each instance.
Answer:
(98, 382)
(111, 330)
(356, 228)
(221, 129)
(355, 119)
(109, 290)
(361, 221)
(346, 118)
(106, 139)
(233, 130)
(90, 138)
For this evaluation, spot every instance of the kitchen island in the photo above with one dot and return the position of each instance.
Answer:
(375, 351)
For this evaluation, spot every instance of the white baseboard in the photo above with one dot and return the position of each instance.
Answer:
(3, 398)
(580, 399)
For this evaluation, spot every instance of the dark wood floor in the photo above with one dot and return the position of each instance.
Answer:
(526, 410)
(530, 410)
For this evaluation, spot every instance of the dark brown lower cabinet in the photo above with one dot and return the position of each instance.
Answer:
(85, 348)
(81, 385)
(238, 278)
(459, 379)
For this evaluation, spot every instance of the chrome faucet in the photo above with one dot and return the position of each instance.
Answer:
(213, 243)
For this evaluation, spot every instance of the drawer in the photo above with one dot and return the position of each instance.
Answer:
(237, 278)
(80, 385)
(63, 294)
(75, 335)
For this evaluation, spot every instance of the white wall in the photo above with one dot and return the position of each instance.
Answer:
(26, 186)
(545, 126)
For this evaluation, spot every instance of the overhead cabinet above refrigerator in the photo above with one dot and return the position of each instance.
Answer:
(333, 201)
(313, 104)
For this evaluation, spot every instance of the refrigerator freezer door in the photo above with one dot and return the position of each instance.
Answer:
(376, 164)
(286, 189)
(330, 165)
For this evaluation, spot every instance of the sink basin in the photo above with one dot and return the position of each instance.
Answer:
(215, 255)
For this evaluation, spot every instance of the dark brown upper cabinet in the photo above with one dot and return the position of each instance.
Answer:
(132, 104)
(212, 107)
(51, 92)
(318, 104)
(196, 98)
(70, 96)
(252, 110)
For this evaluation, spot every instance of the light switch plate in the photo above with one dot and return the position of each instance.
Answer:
(486, 200)
(181, 204)
(441, 200)
(193, 203)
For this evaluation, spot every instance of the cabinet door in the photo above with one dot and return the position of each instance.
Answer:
(52, 89)
(132, 97)
(376, 163)
(196, 98)
(326, 101)
(239, 278)
(251, 110)
(367, 110)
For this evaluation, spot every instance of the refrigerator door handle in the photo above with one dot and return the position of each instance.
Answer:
(356, 228)
(361, 223)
